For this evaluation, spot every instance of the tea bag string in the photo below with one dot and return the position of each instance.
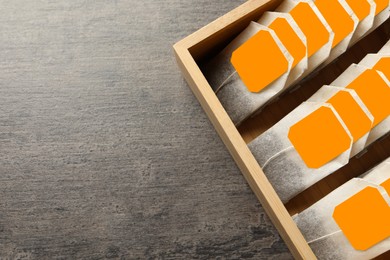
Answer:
(225, 81)
(328, 235)
(276, 155)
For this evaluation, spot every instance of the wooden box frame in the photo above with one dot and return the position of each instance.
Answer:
(189, 52)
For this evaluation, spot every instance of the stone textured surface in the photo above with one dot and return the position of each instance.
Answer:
(104, 151)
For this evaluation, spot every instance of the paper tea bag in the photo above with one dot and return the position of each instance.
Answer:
(382, 13)
(351, 109)
(365, 12)
(343, 22)
(292, 38)
(373, 88)
(313, 131)
(317, 222)
(262, 64)
(320, 223)
(319, 35)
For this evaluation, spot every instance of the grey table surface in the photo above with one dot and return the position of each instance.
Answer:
(104, 150)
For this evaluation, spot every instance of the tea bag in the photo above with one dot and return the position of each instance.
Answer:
(373, 88)
(292, 38)
(319, 35)
(319, 223)
(281, 158)
(365, 12)
(343, 22)
(316, 222)
(243, 92)
(351, 109)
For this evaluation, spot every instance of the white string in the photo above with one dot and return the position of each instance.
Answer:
(276, 155)
(225, 81)
(328, 235)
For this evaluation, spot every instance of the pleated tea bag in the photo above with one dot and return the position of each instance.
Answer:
(319, 35)
(258, 72)
(365, 12)
(343, 22)
(351, 109)
(320, 223)
(292, 38)
(373, 88)
(292, 165)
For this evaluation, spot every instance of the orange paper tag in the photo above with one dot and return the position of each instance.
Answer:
(259, 61)
(364, 218)
(383, 65)
(381, 5)
(360, 7)
(374, 92)
(337, 17)
(319, 138)
(386, 185)
(314, 30)
(289, 38)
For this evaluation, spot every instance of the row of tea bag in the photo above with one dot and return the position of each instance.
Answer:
(284, 46)
(352, 222)
(322, 134)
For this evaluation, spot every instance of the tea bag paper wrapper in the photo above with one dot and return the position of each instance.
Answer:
(235, 97)
(267, 19)
(364, 24)
(323, 53)
(322, 232)
(347, 78)
(327, 92)
(385, 49)
(282, 164)
(342, 46)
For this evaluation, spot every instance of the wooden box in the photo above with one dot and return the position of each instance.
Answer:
(200, 46)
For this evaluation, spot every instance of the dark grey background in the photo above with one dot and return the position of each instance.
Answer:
(104, 151)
